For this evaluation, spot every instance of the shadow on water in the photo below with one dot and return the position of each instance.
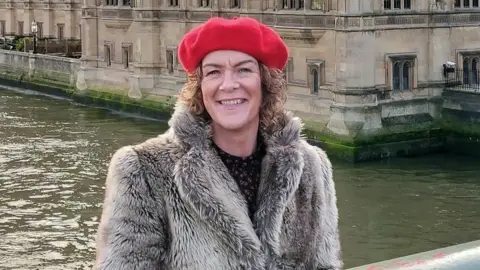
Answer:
(53, 160)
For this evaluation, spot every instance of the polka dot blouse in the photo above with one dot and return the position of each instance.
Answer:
(246, 172)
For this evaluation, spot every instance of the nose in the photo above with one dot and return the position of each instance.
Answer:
(229, 82)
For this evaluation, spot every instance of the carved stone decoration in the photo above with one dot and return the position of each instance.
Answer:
(109, 13)
(199, 15)
(367, 22)
(300, 36)
(290, 20)
(123, 25)
(125, 14)
(268, 19)
(89, 12)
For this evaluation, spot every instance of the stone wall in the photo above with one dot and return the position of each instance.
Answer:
(39, 68)
(461, 119)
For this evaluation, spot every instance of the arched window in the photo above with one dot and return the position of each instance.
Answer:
(402, 73)
(316, 74)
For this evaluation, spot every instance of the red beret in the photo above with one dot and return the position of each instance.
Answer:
(243, 34)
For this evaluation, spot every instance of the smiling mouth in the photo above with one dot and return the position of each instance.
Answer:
(232, 101)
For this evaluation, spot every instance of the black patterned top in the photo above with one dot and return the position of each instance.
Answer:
(246, 171)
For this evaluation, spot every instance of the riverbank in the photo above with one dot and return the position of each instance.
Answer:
(399, 136)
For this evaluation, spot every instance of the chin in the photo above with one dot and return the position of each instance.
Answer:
(231, 124)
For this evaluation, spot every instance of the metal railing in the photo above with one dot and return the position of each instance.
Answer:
(463, 80)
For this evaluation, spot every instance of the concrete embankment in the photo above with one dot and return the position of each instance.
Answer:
(457, 130)
(458, 257)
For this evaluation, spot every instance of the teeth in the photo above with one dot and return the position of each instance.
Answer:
(231, 102)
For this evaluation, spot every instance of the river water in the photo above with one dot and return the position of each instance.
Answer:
(53, 160)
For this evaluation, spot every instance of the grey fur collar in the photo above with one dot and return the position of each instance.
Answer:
(204, 182)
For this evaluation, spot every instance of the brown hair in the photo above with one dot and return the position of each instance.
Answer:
(273, 96)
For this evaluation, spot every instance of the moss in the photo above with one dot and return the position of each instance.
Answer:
(124, 101)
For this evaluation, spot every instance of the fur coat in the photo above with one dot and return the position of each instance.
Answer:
(170, 203)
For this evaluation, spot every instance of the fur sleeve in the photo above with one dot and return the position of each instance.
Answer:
(328, 253)
(131, 232)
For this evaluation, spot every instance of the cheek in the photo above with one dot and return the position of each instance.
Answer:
(256, 91)
(208, 96)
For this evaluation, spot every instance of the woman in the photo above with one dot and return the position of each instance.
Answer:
(231, 184)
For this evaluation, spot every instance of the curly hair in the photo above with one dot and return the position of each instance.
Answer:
(272, 112)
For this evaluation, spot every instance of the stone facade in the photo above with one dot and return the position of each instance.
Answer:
(357, 67)
(55, 18)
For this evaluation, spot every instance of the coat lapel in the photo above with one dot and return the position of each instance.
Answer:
(204, 183)
(281, 174)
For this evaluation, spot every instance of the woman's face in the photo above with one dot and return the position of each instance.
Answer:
(231, 89)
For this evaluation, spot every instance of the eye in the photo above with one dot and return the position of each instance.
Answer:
(212, 72)
(245, 70)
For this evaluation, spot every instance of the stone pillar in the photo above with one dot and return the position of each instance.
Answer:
(439, 52)
(49, 26)
(70, 24)
(355, 109)
(148, 52)
(28, 19)
(368, 6)
(89, 22)
(353, 6)
(10, 24)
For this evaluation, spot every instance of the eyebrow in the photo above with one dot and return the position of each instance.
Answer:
(236, 65)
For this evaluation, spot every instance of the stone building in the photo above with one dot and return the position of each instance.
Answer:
(356, 66)
(55, 19)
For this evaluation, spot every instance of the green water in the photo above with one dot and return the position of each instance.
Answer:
(53, 160)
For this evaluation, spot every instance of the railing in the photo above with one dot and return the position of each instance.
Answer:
(463, 80)
(458, 257)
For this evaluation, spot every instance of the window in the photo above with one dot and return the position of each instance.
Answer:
(111, 2)
(39, 29)
(127, 3)
(20, 28)
(173, 3)
(2, 28)
(60, 28)
(402, 72)
(397, 4)
(234, 3)
(204, 3)
(316, 75)
(127, 53)
(293, 4)
(471, 69)
(467, 3)
(108, 60)
(170, 61)
(125, 57)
